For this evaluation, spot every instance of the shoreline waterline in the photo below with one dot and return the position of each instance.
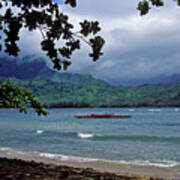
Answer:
(118, 167)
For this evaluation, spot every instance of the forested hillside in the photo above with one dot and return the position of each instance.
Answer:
(56, 89)
(58, 94)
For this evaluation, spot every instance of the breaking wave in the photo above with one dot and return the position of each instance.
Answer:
(128, 137)
(61, 157)
(39, 131)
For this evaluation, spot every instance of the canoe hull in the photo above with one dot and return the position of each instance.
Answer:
(102, 116)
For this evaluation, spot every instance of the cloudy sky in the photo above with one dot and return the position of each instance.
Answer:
(137, 48)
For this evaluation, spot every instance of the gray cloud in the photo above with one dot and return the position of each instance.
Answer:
(137, 48)
(103, 8)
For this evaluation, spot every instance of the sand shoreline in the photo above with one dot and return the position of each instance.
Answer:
(110, 167)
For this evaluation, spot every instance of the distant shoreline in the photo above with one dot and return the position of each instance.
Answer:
(58, 107)
(53, 107)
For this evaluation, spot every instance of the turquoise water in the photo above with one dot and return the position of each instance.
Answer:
(151, 136)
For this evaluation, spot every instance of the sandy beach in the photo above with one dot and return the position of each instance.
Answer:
(42, 167)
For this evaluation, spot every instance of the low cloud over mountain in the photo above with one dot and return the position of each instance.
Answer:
(138, 49)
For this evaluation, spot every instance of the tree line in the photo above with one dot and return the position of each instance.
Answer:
(55, 94)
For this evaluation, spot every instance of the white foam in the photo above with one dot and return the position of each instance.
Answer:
(156, 163)
(5, 149)
(176, 109)
(76, 159)
(67, 158)
(153, 162)
(10, 151)
(131, 110)
(39, 131)
(154, 110)
(85, 136)
(48, 155)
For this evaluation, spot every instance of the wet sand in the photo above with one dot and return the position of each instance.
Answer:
(102, 169)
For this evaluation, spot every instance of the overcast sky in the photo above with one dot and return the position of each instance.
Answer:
(137, 48)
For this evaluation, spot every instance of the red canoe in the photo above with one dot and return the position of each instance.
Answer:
(102, 116)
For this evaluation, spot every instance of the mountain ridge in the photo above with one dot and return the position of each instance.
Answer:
(55, 89)
(31, 67)
(38, 70)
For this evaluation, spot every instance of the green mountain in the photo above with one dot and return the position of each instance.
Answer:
(56, 89)
(58, 94)
(54, 76)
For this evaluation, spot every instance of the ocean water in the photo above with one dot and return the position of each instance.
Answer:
(150, 137)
